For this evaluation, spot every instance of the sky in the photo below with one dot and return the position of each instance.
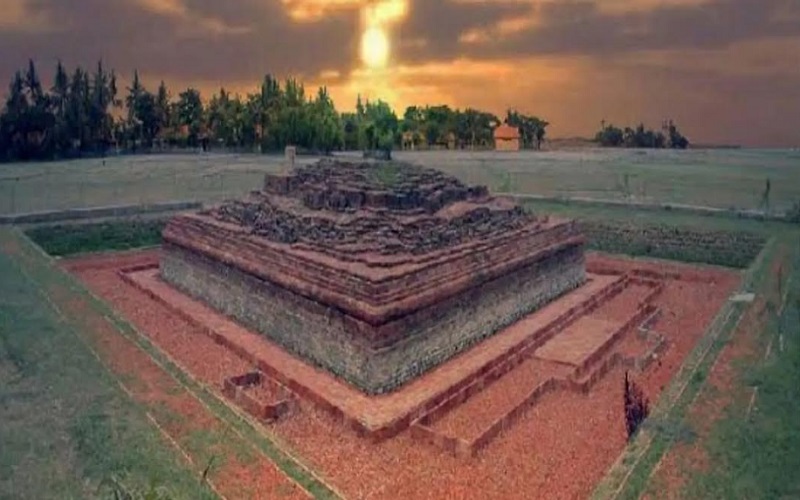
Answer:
(726, 71)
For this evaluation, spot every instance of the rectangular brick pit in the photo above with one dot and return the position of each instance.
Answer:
(275, 404)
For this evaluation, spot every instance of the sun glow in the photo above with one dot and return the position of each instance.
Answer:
(375, 47)
(376, 19)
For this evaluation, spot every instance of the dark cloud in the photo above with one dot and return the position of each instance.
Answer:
(714, 79)
(581, 27)
(213, 41)
(441, 22)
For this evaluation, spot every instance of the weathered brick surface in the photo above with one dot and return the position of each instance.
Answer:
(332, 340)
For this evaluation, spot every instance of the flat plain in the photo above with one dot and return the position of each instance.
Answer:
(717, 178)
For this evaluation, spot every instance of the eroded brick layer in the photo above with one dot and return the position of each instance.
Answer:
(375, 275)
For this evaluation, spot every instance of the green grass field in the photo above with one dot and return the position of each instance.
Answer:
(717, 178)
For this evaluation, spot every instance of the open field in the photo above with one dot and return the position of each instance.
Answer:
(717, 178)
(544, 422)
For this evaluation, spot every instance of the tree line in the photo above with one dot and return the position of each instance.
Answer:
(668, 137)
(85, 113)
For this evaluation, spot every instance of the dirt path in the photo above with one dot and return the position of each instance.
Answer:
(233, 467)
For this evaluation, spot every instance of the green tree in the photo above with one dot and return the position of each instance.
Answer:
(641, 137)
(532, 129)
(13, 121)
(77, 122)
(380, 126)
(163, 107)
(133, 103)
(190, 115)
(59, 101)
(27, 122)
(328, 132)
(675, 139)
(103, 97)
(268, 112)
(610, 136)
(351, 129)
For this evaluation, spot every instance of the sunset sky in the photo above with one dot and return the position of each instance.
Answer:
(728, 71)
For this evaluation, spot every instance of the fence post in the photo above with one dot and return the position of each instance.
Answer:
(14, 195)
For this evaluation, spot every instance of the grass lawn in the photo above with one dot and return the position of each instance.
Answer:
(724, 179)
(68, 239)
(67, 428)
(718, 178)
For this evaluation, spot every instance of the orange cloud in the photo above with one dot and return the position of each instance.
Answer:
(462, 82)
(501, 28)
(17, 15)
(626, 6)
(193, 24)
(314, 10)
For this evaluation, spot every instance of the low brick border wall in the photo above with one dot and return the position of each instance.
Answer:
(98, 212)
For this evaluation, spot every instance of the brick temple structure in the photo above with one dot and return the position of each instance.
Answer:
(376, 272)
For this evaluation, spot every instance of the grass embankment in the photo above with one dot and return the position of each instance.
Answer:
(67, 428)
(755, 450)
(70, 239)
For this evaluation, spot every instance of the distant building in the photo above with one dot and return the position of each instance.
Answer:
(451, 141)
(411, 140)
(506, 138)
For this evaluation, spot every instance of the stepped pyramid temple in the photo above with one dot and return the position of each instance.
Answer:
(375, 272)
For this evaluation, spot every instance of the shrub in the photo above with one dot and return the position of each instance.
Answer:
(637, 407)
(793, 214)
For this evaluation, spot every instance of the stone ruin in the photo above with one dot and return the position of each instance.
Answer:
(376, 272)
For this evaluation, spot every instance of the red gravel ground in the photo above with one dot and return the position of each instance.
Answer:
(559, 448)
(620, 306)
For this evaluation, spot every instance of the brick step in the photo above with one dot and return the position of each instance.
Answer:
(436, 427)
(522, 351)
(471, 419)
